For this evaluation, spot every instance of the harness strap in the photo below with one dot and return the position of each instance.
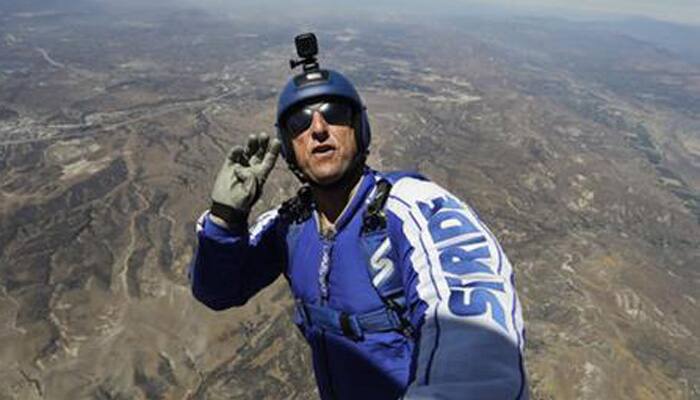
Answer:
(374, 217)
(353, 326)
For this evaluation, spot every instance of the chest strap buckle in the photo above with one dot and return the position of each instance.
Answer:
(350, 326)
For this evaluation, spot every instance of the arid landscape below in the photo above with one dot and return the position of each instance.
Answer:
(577, 141)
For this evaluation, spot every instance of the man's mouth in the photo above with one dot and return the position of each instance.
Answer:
(324, 148)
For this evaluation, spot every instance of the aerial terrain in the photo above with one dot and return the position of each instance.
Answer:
(578, 142)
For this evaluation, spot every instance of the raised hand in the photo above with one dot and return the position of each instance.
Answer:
(242, 176)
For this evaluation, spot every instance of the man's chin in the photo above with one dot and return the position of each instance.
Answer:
(328, 176)
(325, 179)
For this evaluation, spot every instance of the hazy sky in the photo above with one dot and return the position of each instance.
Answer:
(675, 10)
(687, 11)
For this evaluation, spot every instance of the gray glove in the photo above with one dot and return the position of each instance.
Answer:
(240, 181)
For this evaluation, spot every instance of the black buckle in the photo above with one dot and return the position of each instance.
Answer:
(374, 218)
(349, 328)
(404, 325)
(407, 330)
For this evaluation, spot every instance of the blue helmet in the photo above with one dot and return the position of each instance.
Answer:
(313, 85)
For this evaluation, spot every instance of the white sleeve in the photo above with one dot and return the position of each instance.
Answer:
(460, 286)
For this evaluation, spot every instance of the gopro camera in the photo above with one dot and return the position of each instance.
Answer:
(307, 46)
(307, 49)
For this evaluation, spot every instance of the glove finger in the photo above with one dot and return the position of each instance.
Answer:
(253, 145)
(263, 141)
(236, 154)
(270, 156)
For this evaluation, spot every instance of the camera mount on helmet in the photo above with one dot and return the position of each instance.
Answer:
(307, 49)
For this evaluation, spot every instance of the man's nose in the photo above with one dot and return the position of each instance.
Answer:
(319, 127)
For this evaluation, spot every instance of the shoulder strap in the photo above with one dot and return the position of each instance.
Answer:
(298, 208)
(374, 218)
(375, 238)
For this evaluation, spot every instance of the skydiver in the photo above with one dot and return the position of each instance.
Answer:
(400, 289)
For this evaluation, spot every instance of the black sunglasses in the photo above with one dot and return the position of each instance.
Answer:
(334, 112)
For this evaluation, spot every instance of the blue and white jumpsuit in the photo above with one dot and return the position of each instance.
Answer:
(466, 330)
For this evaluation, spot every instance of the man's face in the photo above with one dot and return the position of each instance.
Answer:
(324, 151)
